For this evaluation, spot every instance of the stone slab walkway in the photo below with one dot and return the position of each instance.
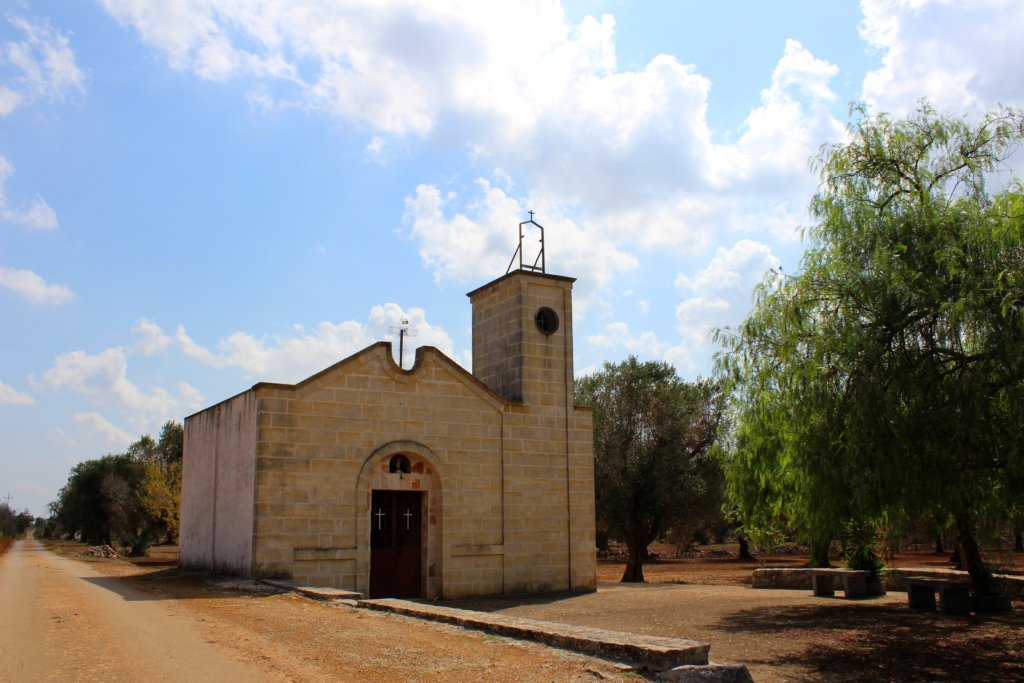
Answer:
(651, 652)
(315, 592)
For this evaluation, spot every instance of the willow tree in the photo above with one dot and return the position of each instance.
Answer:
(653, 436)
(886, 377)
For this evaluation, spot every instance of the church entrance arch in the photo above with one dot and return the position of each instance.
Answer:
(400, 524)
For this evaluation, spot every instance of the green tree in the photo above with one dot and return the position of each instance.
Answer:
(171, 446)
(84, 504)
(885, 379)
(653, 433)
(133, 498)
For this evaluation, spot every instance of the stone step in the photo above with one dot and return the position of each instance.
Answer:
(709, 673)
(315, 592)
(650, 652)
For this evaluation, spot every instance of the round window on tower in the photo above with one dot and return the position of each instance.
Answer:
(547, 320)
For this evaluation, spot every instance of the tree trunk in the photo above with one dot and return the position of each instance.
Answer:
(938, 544)
(744, 548)
(1018, 540)
(635, 562)
(972, 558)
(602, 540)
(645, 554)
(819, 551)
(955, 557)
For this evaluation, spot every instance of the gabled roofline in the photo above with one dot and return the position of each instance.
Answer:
(421, 352)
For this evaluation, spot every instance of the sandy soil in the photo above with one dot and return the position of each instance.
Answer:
(780, 635)
(64, 622)
(731, 571)
(784, 635)
(273, 636)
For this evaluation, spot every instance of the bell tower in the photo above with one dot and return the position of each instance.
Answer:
(522, 350)
(522, 331)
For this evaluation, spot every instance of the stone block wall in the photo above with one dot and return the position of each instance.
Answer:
(549, 489)
(508, 485)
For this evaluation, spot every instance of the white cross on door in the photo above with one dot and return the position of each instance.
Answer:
(380, 518)
(407, 516)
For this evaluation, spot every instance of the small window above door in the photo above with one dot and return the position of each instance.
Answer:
(399, 464)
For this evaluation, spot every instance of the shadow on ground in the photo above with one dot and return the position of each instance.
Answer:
(178, 584)
(892, 642)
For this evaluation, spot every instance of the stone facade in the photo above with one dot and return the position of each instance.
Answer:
(277, 481)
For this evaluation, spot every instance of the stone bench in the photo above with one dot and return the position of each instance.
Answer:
(953, 598)
(854, 582)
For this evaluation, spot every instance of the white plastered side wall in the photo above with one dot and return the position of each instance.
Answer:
(218, 479)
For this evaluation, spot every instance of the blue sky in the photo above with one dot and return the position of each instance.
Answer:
(200, 195)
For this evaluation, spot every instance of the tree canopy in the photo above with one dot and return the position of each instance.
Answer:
(886, 377)
(133, 498)
(653, 434)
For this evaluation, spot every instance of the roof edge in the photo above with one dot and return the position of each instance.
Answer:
(506, 276)
(420, 353)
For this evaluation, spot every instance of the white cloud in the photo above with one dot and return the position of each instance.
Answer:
(963, 56)
(34, 288)
(61, 437)
(44, 63)
(618, 334)
(586, 371)
(103, 379)
(190, 396)
(721, 295)
(10, 396)
(149, 338)
(292, 359)
(480, 243)
(29, 487)
(93, 428)
(610, 157)
(40, 216)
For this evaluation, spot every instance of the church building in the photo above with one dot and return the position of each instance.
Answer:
(424, 482)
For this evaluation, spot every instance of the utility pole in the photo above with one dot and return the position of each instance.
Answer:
(8, 499)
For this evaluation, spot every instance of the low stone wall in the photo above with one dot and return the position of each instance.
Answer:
(800, 579)
(653, 653)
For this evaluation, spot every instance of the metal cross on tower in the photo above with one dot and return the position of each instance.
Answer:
(519, 250)
(402, 330)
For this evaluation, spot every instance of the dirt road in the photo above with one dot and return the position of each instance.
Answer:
(62, 621)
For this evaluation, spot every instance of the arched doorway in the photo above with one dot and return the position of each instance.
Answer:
(401, 523)
(396, 538)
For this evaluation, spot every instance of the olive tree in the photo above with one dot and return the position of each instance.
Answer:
(653, 436)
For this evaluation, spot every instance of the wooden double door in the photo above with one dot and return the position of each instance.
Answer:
(396, 521)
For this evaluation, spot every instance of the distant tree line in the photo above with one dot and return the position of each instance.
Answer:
(14, 523)
(131, 498)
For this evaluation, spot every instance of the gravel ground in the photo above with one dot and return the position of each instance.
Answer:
(786, 635)
(780, 635)
(302, 640)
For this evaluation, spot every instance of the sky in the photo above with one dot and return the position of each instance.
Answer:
(198, 195)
